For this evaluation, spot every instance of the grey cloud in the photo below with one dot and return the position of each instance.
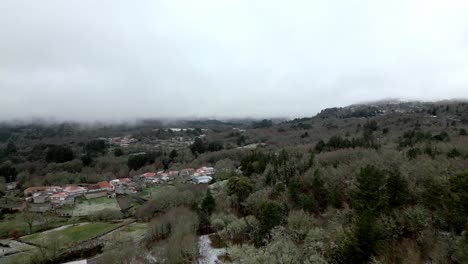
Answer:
(115, 60)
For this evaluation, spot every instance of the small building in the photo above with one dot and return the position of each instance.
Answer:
(120, 182)
(206, 171)
(163, 177)
(62, 198)
(48, 189)
(125, 190)
(149, 177)
(105, 186)
(148, 174)
(187, 173)
(172, 173)
(40, 197)
(95, 195)
(74, 190)
(93, 188)
(201, 179)
(100, 187)
(11, 186)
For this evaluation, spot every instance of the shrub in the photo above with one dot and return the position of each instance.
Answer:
(163, 201)
(240, 186)
(255, 199)
(220, 221)
(298, 225)
(236, 231)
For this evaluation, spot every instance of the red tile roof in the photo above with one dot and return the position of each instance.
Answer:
(93, 187)
(74, 189)
(58, 195)
(40, 188)
(104, 185)
(149, 174)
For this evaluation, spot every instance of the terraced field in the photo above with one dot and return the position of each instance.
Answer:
(87, 207)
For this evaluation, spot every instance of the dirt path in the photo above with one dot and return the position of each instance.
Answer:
(208, 254)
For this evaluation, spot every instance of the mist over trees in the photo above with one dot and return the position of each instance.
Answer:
(377, 186)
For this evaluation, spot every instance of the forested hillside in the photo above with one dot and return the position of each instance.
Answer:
(383, 182)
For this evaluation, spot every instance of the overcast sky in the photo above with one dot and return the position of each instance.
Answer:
(114, 60)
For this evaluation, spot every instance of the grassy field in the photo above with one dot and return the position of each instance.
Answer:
(18, 258)
(132, 232)
(14, 222)
(150, 191)
(11, 250)
(69, 235)
(63, 237)
(86, 207)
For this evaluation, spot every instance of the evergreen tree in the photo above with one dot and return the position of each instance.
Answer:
(59, 154)
(173, 154)
(208, 203)
(320, 146)
(8, 172)
(311, 161)
(453, 153)
(198, 146)
(240, 186)
(118, 152)
(463, 132)
(458, 202)
(362, 243)
(396, 189)
(269, 215)
(96, 147)
(369, 188)
(87, 160)
(319, 191)
(10, 149)
(308, 203)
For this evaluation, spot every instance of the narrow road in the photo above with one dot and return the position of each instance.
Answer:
(208, 254)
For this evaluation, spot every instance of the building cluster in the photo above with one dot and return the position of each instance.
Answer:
(120, 141)
(47, 198)
(195, 176)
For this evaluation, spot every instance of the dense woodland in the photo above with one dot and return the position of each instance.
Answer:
(375, 183)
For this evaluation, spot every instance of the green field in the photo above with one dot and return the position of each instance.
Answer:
(21, 258)
(14, 222)
(69, 235)
(62, 238)
(87, 207)
(131, 232)
(150, 191)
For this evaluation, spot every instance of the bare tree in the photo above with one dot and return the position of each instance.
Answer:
(29, 218)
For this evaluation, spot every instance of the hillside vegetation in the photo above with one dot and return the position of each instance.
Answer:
(384, 182)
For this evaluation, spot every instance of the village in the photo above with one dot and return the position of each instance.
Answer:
(41, 199)
(77, 208)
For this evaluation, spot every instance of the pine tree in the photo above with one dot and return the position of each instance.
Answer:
(397, 190)
(364, 241)
(370, 186)
(319, 191)
(208, 204)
